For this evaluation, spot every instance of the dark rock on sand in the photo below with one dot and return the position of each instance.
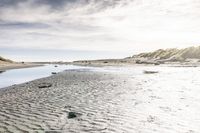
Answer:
(156, 63)
(68, 106)
(150, 72)
(72, 115)
(44, 85)
(1, 71)
(53, 73)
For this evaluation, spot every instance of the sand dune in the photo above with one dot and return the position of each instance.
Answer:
(3, 60)
(186, 56)
(6, 64)
(172, 54)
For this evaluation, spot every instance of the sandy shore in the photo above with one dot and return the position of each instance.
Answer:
(7, 66)
(103, 102)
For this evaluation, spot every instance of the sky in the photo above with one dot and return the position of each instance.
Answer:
(67, 30)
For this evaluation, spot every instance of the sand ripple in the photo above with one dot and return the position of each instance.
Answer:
(105, 103)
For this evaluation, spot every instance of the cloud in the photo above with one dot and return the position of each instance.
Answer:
(21, 25)
(54, 3)
(99, 25)
(6, 3)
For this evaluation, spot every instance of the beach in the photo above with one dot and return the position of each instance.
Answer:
(99, 66)
(103, 101)
(14, 65)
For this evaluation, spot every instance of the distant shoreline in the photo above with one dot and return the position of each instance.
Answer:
(8, 66)
(95, 63)
(120, 62)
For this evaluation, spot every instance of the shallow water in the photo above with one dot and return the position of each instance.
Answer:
(17, 76)
(22, 75)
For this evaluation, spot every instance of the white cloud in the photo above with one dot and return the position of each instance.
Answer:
(137, 26)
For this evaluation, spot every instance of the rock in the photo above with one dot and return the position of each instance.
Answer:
(55, 66)
(157, 63)
(53, 73)
(44, 85)
(68, 106)
(150, 72)
(72, 115)
(1, 71)
(138, 62)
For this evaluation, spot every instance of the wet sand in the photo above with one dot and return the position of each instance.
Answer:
(103, 102)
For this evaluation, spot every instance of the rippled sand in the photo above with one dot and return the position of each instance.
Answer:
(105, 102)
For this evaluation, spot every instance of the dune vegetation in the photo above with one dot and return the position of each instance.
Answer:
(5, 60)
(172, 54)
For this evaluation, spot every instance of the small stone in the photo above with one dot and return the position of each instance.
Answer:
(1, 71)
(44, 85)
(157, 63)
(53, 73)
(72, 115)
(150, 72)
(68, 106)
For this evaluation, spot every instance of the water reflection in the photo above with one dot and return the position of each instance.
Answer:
(17, 76)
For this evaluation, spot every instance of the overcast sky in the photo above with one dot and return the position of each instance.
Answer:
(42, 30)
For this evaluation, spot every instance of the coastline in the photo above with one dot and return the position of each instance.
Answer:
(117, 63)
(8, 66)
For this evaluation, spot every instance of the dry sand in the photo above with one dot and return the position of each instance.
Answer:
(5, 66)
(103, 102)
